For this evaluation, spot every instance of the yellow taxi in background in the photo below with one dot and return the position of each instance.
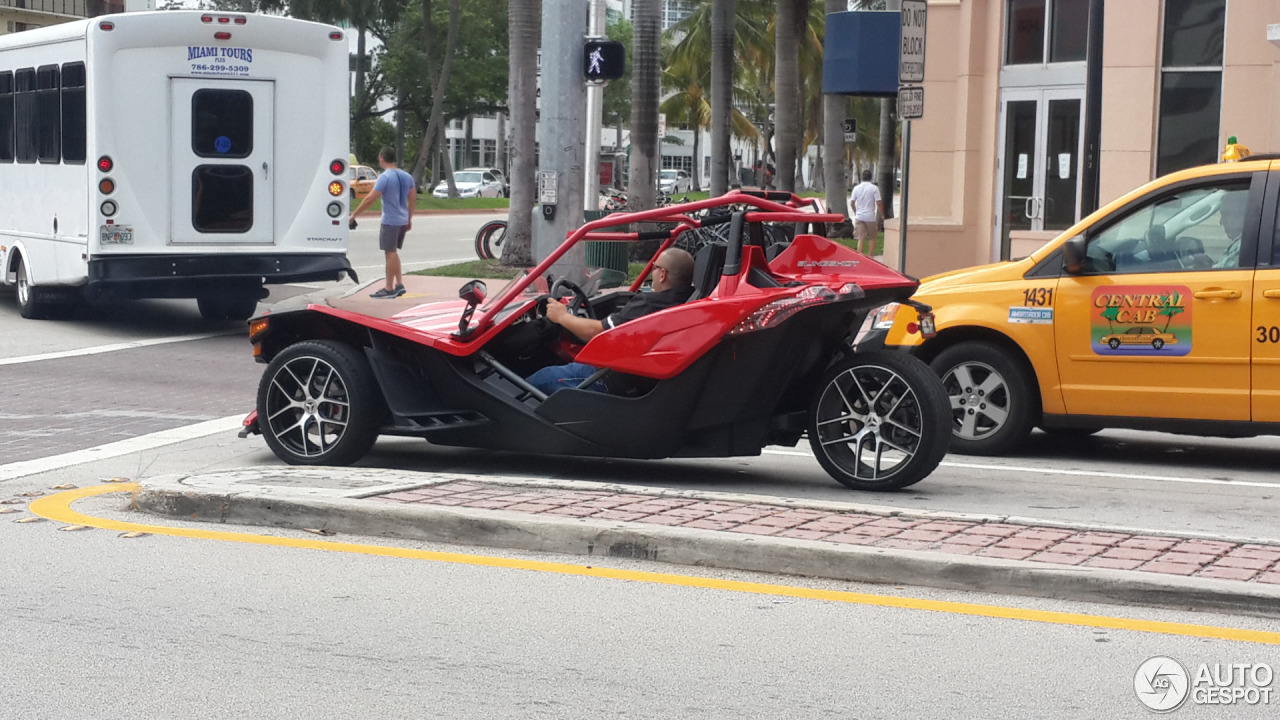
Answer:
(1160, 311)
(362, 178)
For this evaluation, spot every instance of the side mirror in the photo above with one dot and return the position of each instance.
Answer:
(1073, 255)
(474, 292)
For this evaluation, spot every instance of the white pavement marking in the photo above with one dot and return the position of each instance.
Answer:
(120, 447)
(1074, 473)
(99, 349)
(422, 263)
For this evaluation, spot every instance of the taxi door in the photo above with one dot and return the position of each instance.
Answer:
(1265, 329)
(1153, 325)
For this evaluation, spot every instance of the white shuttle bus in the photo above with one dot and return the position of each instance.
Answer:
(172, 155)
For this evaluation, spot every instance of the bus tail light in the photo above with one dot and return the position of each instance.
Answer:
(109, 208)
(206, 18)
(105, 164)
(107, 26)
(240, 21)
(337, 167)
(336, 188)
(222, 36)
(106, 186)
(335, 36)
(334, 209)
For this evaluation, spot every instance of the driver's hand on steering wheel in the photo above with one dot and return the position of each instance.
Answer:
(557, 311)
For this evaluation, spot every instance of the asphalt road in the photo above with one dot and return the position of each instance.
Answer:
(101, 626)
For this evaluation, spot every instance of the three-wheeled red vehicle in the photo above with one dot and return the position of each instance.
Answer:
(761, 354)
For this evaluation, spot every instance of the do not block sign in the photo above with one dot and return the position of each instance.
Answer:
(911, 50)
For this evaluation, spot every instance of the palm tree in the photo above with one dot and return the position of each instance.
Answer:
(1111, 314)
(644, 161)
(1172, 306)
(439, 81)
(689, 104)
(786, 87)
(722, 42)
(523, 25)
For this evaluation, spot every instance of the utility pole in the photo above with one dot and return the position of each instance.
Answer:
(561, 162)
(595, 114)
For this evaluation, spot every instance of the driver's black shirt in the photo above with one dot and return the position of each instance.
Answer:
(647, 303)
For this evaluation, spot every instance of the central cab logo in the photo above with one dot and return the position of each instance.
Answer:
(1141, 320)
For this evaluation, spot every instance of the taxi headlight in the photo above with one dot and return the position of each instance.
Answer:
(884, 317)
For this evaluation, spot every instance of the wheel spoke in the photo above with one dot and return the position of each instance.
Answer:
(894, 446)
(963, 377)
(844, 418)
(848, 406)
(957, 402)
(996, 414)
(969, 427)
(902, 427)
(991, 384)
(858, 384)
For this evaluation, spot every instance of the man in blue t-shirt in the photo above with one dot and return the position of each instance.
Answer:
(395, 187)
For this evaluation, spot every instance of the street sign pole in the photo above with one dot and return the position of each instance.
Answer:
(910, 101)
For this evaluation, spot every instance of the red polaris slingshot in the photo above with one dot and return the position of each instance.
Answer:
(761, 354)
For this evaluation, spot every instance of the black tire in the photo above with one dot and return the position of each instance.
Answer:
(332, 417)
(1157, 344)
(879, 406)
(993, 398)
(1113, 343)
(489, 237)
(37, 303)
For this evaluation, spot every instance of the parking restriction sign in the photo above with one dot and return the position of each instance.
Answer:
(910, 103)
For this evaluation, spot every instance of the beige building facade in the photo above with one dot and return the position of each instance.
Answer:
(20, 15)
(996, 160)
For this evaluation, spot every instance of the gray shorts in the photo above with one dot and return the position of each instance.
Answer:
(391, 237)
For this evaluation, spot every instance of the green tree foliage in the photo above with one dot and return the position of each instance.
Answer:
(617, 94)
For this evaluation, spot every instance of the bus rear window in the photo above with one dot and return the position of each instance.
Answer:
(6, 117)
(222, 198)
(48, 115)
(222, 123)
(73, 114)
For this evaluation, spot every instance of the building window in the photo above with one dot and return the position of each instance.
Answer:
(1045, 31)
(677, 162)
(1190, 84)
(490, 153)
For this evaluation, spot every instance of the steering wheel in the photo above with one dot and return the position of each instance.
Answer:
(580, 305)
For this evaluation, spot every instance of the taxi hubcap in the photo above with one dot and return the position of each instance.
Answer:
(979, 400)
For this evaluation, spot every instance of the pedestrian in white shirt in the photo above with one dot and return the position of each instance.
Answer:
(868, 208)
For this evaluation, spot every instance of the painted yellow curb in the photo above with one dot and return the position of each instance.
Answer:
(58, 508)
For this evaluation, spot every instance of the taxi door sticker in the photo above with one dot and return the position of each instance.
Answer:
(1151, 320)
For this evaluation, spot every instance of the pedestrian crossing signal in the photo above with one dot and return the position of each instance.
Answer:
(603, 60)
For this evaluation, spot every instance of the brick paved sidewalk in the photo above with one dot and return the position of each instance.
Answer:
(1052, 545)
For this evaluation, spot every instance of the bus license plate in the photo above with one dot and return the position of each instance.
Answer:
(117, 235)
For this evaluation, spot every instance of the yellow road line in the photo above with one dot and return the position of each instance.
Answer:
(58, 508)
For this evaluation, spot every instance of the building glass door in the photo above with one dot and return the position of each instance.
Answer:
(1039, 174)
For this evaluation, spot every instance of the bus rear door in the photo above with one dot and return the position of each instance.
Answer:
(223, 168)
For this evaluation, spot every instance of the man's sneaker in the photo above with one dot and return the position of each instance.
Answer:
(400, 290)
(384, 294)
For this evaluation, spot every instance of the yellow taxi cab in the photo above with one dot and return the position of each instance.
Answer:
(1160, 311)
(362, 178)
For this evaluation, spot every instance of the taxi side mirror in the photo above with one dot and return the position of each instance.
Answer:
(1073, 255)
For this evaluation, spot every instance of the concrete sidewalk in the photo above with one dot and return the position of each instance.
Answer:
(841, 541)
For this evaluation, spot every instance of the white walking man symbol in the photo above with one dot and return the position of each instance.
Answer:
(596, 58)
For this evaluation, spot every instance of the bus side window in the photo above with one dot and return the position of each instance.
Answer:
(6, 117)
(73, 113)
(24, 115)
(48, 115)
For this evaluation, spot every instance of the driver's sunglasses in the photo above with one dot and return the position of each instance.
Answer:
(659, 267)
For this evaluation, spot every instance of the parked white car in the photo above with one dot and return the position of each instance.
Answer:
(674, 181)
(471, 184)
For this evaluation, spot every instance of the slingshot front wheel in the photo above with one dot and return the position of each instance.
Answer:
(319, 404)
(879, 421)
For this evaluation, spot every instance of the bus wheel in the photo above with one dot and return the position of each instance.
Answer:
(35, 303)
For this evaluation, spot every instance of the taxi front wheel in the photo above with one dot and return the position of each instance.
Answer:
(994, 401)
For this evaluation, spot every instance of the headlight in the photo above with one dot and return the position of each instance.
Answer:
(884, 317)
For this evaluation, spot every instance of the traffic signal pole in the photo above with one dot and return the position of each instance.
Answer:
(562, 161)
(595, 112)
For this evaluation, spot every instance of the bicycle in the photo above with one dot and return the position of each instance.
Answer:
(489, 239)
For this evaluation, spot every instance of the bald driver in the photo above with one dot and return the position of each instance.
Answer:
(672, 285)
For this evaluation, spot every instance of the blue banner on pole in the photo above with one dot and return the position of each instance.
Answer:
(861, 53)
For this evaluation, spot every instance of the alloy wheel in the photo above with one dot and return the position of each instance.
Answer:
(869, 422)
(979, 398)
(308, 406)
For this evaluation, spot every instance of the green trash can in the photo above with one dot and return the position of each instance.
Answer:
(610, 255)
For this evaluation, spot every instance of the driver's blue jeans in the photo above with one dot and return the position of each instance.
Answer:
(557, 377)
